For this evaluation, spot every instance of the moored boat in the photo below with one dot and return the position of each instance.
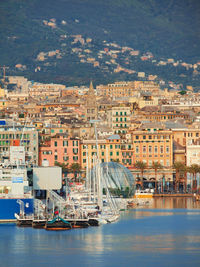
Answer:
(24, 221)
(39, 223)
(58, 224)
(144, 194)
(79, 223)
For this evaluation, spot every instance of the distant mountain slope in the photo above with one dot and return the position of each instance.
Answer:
(169, 29)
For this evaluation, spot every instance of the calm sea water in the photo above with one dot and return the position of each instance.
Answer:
(164, 233)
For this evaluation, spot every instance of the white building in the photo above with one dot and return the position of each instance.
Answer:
(193, 153)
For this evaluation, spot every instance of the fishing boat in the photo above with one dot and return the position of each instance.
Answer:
(57, 224)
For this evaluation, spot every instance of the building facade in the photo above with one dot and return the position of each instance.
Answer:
(19, 136)
(60, 148)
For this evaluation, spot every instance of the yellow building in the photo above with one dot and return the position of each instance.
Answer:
(144, 100)
(2, 93)
(109, 150)
(186, 136)
(159, 117)
(128, 89)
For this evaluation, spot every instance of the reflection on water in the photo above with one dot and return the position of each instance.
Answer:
(168, 235)
(175, 203)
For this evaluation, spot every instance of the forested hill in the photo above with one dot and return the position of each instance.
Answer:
(166, 28)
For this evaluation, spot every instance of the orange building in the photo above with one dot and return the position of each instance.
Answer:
(153, 145)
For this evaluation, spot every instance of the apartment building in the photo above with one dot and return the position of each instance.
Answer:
(60, 148)
(18, 135)
(46, 90)
(153, 145)
(128, 89)
(108, 149)
(119, 119)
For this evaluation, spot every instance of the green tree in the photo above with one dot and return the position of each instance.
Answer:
(75, 168)
(142, 166)
(65, 169)
(195, 168)
(179, 167)
(156, 166)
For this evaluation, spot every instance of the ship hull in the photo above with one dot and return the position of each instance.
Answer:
(9, 207)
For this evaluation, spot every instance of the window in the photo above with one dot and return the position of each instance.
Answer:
(111, 153)
(150, 136)
(167, 149)
(84, 153)
(55, 143)
(137, 137)
(161, 149)
(137, 149)
(144, 149)
(55, 157)
(117, 153)
(144, 136)
(84, 160)
(156, 149)
(150, 149)
(111, 146)
(102, 153)
(75, 150)
(65, 143)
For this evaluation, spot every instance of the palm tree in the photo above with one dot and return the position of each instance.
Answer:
(195, 168)
(75, 168)
(186, 170)
(156, 165)
(142, 166)
(65, 169)
(179, 167)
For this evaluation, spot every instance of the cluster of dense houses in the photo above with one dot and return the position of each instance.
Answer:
(130, 122)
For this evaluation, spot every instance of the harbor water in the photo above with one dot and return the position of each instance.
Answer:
(163, 232)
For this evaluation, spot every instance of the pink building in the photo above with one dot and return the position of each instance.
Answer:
(60, 148)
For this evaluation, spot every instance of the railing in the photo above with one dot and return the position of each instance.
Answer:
(55, 197)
